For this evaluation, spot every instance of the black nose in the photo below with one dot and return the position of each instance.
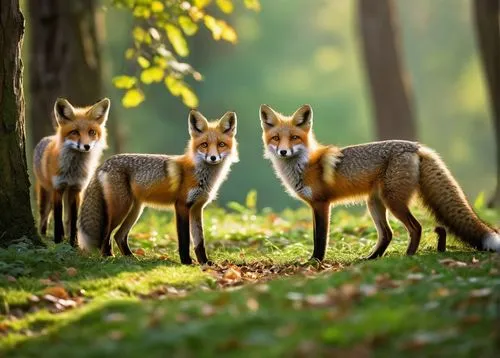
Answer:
(283, 153)
(212, 158)
(86, 146)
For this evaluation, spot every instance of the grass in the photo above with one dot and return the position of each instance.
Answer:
(262, 298)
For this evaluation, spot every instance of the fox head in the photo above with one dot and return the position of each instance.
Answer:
(213, 142)
(286, 136)
(82, 129)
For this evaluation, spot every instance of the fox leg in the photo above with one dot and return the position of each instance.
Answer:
(121, 236)
(183, 235)
(399, 184)
(44, 208)
(57, 196)
(73, 202)
(321, 221)
(196, 223)
(378, 212)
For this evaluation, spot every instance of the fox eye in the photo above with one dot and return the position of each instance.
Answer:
(92, 133)
(204, 145)
(222, 144)
(276, 138)
(295, 137)
(74, 132)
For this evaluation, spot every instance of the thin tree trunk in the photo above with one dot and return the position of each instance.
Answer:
(486, 14)
(65, 59)
(16, 219)
(389, 85)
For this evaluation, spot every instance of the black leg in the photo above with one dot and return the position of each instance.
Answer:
(183, 236)
(58, 212)
(74, 203)
(321, 214)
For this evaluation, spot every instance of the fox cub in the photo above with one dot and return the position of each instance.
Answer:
(64, 162)
(386, 173)
(124, 183)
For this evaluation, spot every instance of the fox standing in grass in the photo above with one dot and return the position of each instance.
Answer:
(387, 173)
(124, 183)
(64, 162)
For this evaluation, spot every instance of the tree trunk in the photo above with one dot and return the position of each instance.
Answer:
(65, 59)
(16, 219)
(389, 85)
(486, 13)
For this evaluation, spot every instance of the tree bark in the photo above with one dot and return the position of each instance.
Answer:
(64, 58)
(16, 219)
(486, 15)
(389, 84)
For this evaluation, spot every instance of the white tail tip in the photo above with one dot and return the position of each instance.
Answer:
(492, 242)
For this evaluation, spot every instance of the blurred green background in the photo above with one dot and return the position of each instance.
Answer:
(298, 51)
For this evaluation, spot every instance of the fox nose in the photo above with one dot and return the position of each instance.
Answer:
(213, 158)
(86, 146)
(283, 152)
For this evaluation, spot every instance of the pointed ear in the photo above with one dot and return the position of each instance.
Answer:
(63, 111)
(268, 117)
(227, 124)
(303, 117)
(99, 111)
(197, 123)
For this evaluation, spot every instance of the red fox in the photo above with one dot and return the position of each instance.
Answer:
(386, 173)
(124, 183)
(64, 162)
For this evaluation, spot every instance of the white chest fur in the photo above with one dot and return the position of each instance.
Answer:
(291, 173)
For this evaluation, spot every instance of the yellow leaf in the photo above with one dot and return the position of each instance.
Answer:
(252, 5)
(157, 6)
(142, 11)
(125, 82)
(196, 14)
(200, 4)
(229, 34)
(177, 40)
(152, 74)
(132, 98)
(129, 53)
(143, 61)
(189, 98)
(213, 26)
(139, 34)
(226, 6)
(187, 25)
(173, 85)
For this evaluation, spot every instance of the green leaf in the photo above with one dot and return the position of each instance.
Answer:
(251, 200)
(125, 82)
(252, 5)
(237, 207)
(129, 53)
(177, 40)
(132, 98)
(143, 61)
(480, 202)
(152, 74)
(139, 34)
(187, 25)
(226, 6)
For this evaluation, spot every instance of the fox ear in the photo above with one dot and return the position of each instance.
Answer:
(197, 123)
(303, 117)
(227, 123)
(63, 111)
(268, 117)
(100, 111)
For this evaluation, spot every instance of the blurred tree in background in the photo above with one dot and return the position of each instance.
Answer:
(487, 17)
(388, 81)
(16, 219)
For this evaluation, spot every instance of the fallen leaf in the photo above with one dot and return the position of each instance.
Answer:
(252, 304)
(57, 291)
(140, 252)
(71, 271)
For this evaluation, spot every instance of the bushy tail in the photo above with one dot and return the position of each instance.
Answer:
(92, 216)
(443, 196)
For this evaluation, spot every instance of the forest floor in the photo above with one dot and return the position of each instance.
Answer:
(262, 298)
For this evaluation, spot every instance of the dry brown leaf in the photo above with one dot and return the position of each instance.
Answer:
(71, 271)
(140, 252)
(57, 291)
